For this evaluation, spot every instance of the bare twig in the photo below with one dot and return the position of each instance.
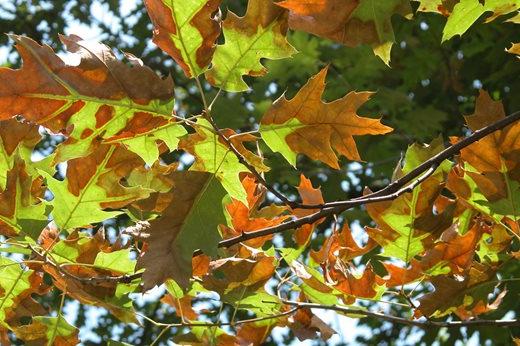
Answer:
(405, 321)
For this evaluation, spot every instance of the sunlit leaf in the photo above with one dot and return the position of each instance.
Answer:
(260, 33)
(305, 124)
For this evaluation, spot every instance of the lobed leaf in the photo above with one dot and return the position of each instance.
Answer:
(305, 124)
(190, 222)
(22, 211)
(349, 22)
(408, 223)
(186, 30)
(260, 33)
(213, 155)
(98, 99)
(93, 183)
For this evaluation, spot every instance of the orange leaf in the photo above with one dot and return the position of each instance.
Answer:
(305, 124)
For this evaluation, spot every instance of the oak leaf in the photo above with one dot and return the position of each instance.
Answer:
(16, 139)
(90, 102)
(260, 33)
(452, 294)
(80, 256)
(487, 178)
(190, 222)
(408, 224)
(213, 155)
(93, 183)
(250, 217)
(22, 210)
(349, 22)
(305, 124)
(186, 30)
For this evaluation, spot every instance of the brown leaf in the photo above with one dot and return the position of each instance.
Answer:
(189, 223)
(182, 307)
(311, 196)
(247, 218)
(352, 286)
(450, 292)
(229, 273)
(341, 245)
(178, 27)
(254, 334)
(21, 209)
(306, 325)
(323, 128)
(349, 22)
(82, 101)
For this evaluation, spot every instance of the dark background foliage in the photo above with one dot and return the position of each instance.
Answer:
(423, 95)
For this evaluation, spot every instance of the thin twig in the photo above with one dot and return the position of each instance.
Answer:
(405, 321)
(239, 156)
(392, 191)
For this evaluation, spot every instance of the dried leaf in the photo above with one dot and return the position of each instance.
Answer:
(305, 124)
(89, 103)
(349, 22)
(186, 30)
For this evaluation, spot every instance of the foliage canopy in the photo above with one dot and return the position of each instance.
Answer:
(114, 181)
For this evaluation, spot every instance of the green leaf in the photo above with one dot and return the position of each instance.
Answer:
(48, 330)
(118, 261)
(14, 281)
(17, 139)
(21, 211)
(190, 222)
(466, 12)
(145, 144)
(186, 30)
(259, 34)
(408, 221)
(214, 156)
(100, 98)
(93, 184)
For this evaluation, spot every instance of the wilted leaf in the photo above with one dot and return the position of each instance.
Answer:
(349, 22)
(22, 212)
(452, 294)
(247, 218)
(408, 223)
(93, 183)
(310, 196)
(48, 330)
(306, 325)
(73, 259)
(96, 100)
(258, 34)
(488, 178)
(16, 287)
(341, 245)
(16, 139)
(305, 124)
(186, 30)
(189, 223)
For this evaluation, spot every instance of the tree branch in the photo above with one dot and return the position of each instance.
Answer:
(392, 191)
(400, 320)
